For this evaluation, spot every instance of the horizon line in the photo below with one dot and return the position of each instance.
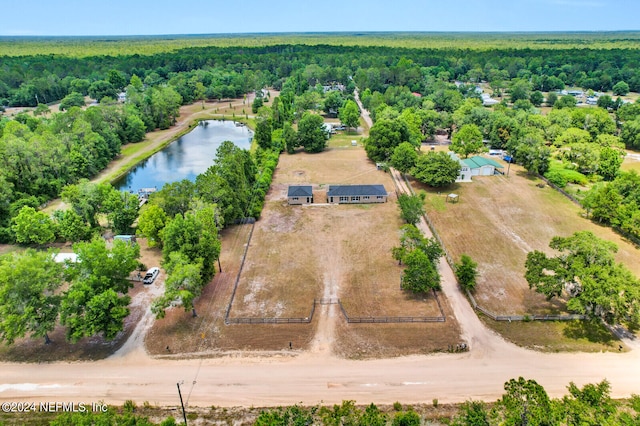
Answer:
(350, 32)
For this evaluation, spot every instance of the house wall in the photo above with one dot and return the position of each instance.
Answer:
(487, 170)
(300, 200)
(360, 199)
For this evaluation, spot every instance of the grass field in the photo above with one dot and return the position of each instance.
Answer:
(497, 221)
(149, 45)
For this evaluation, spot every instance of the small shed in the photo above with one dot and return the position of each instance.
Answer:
(300, 194)
(452, 198)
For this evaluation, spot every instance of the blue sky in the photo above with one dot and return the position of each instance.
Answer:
(141, 17)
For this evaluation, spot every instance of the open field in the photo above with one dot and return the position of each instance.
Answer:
(498, 221)
(149, 45)
(301, 253)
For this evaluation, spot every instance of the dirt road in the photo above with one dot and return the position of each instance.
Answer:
(318, 376)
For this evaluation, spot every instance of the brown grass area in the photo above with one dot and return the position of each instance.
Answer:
(363, 341)
(498, 221)
(299, 253)
(558, 336)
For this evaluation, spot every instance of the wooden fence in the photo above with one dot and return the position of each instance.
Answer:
(387, 319)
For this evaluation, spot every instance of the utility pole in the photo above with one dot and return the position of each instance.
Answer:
(184, 414)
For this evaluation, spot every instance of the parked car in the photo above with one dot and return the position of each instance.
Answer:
(151, 275)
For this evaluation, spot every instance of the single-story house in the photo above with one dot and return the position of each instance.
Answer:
(300, 194)
(356, 194)
(476, 166)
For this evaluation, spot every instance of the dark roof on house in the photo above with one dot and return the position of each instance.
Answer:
(300, 191)
(350, 190)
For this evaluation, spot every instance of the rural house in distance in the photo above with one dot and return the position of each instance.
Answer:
(356, 194)
(300, 194)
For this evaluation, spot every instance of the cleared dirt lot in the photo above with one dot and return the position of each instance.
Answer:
(497, 221)
(301, 253)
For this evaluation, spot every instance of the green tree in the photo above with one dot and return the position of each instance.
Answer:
(122, 210)
(520, 89)
(566, 101)
(332, 102)
(257, 103)
(436, 169)
(525, 403)
(311, 133)
(33, 227)
(467, 272)
(411, 207)
(196, 236)
(407, 418)
(472, 413)
(349, 114)
(71, 226)
(404, 157)
(602, 202)
(552, 98)
(620, 88)
(630, 134)
(420, 274)
(151, 223)
(592, 405)
(102, 89)
(175, 197)
(385, 135)
(134, 129)
(117, 79)
(467, 140)
(184, 284)
(29, 300)
(610, 162)
(290, 137)
(96, 301)
(596, 285)
(536, 98)
(263, 132)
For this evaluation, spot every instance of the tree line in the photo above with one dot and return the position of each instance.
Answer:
(26, 81)
(524, 402)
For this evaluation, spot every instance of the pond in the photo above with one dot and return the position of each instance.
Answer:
(186, 157)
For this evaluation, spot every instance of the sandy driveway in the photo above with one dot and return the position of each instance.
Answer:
(319, 377)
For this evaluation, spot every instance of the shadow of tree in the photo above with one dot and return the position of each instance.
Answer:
(593, 331)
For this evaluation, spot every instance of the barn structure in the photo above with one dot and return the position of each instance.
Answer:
(300, 194)
(356, 194)
(476, 166)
